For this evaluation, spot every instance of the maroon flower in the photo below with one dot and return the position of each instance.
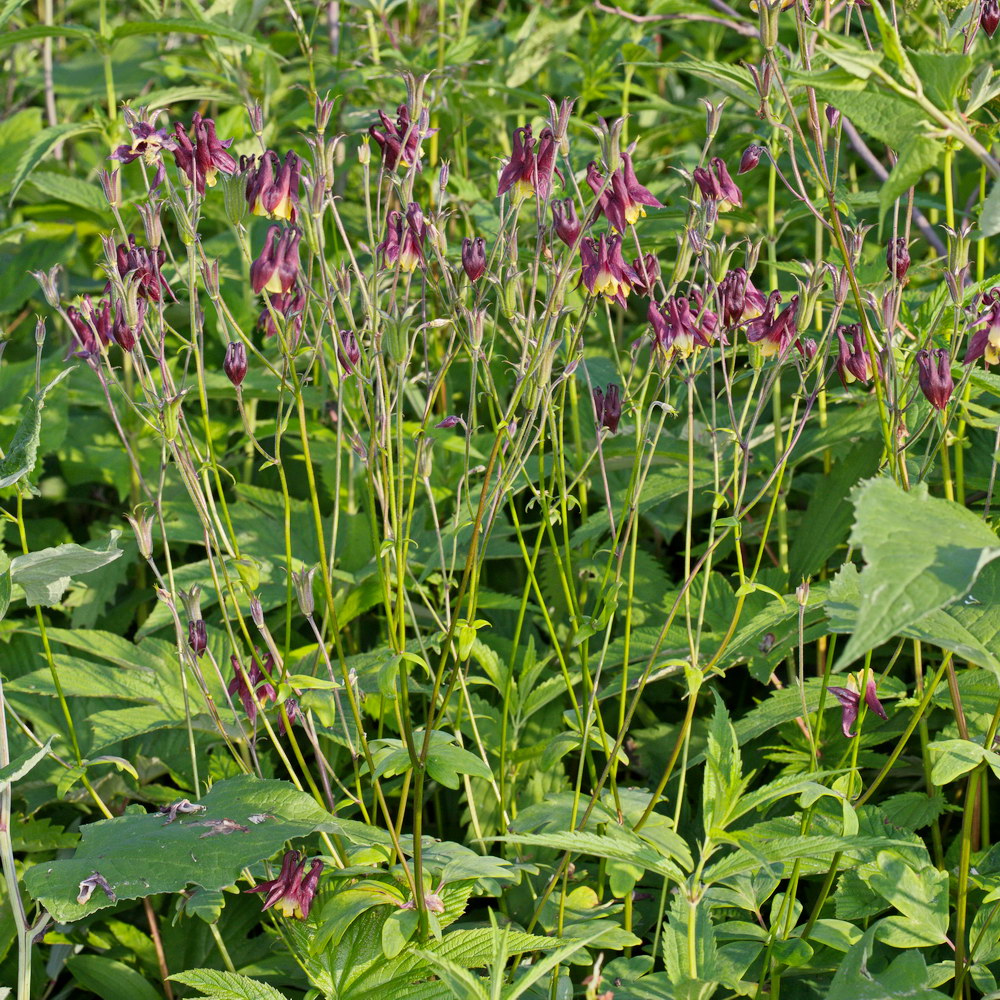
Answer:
(247, 685)
(293, 891)
(717, 186)
(565, 221)
(400, 140)
(291, 305)
(774, 333)
(750, 159)
(278, 264)
(850, 703)
(92, 326)
(148, 143)
(474, 257)
(124, 334)
(854, 363)
(144, 266)
(272, 186)
(608, 407)
(235, 362)
(521, 172)
(985, 343)
(897, 258)
(739, 300)
(604, 272)
(647, 267)
(622, 202)
(934, 376)
(675, 330)
(348, 351)
(201, 157)
(197, 638)
(989, 16)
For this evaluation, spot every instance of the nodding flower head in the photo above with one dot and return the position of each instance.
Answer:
(92, 325)
(565, 221)
(773, 333)
(717, 186)
(197, 637)
(750, 158)
(290, 305)
(293, 891)
(201, 155)
(622, 200)
(985, 342)
(897, 258)
(989, 17)
(252, 686)
(348, 351)
(604, 271)
(850, 703)
(677, 329)
(126, 334)
(277, 266)
(400, 140)
(144, 266)
(235, 362)
(854, 363)
(934, 376)
(272, 185)
(647, 269)
(474, 257)
(739, 299)
(608, 407)
(521, 172)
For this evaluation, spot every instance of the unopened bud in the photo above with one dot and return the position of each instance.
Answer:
(197, 637)
(153, 228)
(256, 115)
(112, 186)
(443, 174)
(39, 332)
(303, 582)
(47, 282)
(256, 612)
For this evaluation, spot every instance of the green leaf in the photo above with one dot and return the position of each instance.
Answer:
(46, 574)
(46, 31)
(193, 849)
(953, 758)
(917, 155)
(10, 8)
(23, 763)
(921, 898)
(903, 581)
(226, 985)
(5, 584)
(40, 146)
(989, 217)
(109, 978)
(905, 978)
(71, 190)
(191, 26)
(723, 771)
(23, 451)
(942, 75)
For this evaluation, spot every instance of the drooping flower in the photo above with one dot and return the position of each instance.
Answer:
(201, 155)
(934, 376)
(850, 703)
(293, 891)
(675, 330)
(985, 343)
(989, 17)
(897, 258)
(348, 351)
(126, 334)
(717, 186)
(400, 141)
(277, 266)
(739, 299)
(750, 158)
(235, 362)
(144, 266)
(291, 305)
(854, 363)
(565, 221)
(521, 171)
(608, 407)
(647, 268)
(774, 333)
(474, 257)
(623, 200)
(604, 271)
(92, 325)
(272, 185)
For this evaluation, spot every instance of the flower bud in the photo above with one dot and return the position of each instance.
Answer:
(47, 281)
(197, 638)
(474, 257)
(112, 185)
(897, 258)
(750, 159)
(989, 16)
(235, 363)
(303, 582)
(936, 382)
(832, 115)
(565, 222)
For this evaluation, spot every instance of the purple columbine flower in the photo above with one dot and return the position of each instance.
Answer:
(608, 407)
(144, 264)
(850, 702)
(624, 200)
(675, 329)
(897, 258)
(277, 266)
(565, 221)
(202, 155)
(750, 158)
(717, 186)
(474, 257)
(148, 144)
(272, 186)
(235, 362)
(197, 637)
(521, 171)
(989, 17)
(985, 343)
(604, 271)
(774, 333)
(399, 141)
(854, 363)
(291, 305)
(936, 382)
(739, 299)
(293, 891)
(647, 268)
(348, 351)
(125, 335)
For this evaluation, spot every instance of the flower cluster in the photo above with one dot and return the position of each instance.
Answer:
(201, 155)
(255, 690)
(624, 200)
(679, 329)
(400, 140)
(272, 185)
(529, 172)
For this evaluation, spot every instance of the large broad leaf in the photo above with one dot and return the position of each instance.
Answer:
(45, 575)
(921, 553)
(906, 976)
(245, 820)
(42, 144)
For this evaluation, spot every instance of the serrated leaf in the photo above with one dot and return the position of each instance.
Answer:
(23, 763)
(23, 450)
(218, 985)
(70, 190)
(921, 554)
(40, 146)
(45, 575)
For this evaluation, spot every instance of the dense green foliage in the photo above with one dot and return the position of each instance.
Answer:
(608, 609)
